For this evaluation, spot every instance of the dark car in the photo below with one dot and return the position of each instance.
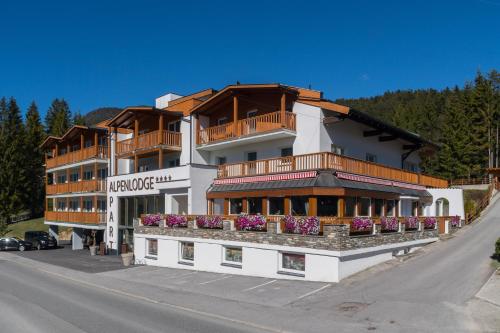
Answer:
(14, 243)
(40, 239)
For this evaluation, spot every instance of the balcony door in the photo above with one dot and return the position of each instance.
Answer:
(251, 124)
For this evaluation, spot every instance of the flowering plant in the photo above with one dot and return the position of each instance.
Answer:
(210, 222)
(174, 221)
(389, 223)
(430, 222)
(455, 221)
(362, 224)
(250, 222)
(151, 220)
(411, 222)
(307, 225)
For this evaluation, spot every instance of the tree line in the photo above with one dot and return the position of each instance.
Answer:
(463, 121)
(22, 186)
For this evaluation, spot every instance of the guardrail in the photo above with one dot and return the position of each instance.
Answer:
(94, 185)
(76, 217)
(77, 156)
(150, 140)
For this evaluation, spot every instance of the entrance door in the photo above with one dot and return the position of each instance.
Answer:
(180, 204)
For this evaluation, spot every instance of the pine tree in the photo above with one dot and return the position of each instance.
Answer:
(58, 118)
(35, 171)
(78, 119)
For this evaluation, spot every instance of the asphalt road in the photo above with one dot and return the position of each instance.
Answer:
(432, 291)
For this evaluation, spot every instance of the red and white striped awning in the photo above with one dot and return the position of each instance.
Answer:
(266, 178)
(378, 181)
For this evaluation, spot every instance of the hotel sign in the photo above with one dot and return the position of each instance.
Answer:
(137, 184)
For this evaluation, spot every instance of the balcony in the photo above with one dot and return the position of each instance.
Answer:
(152, 140)
(76, 217)
(327, 161)
(77, 187)
(249, 130)
(100, 152)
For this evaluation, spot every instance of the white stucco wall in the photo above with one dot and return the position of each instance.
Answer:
(308, 124)
(455, 197)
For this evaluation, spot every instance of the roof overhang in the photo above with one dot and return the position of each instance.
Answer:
(125, 119)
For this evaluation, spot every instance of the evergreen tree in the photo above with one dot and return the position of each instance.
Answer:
(34, 165)
(58, 118)
(78, 119)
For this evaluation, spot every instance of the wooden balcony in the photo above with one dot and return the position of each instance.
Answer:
(100, 152)
(251, 126)
(151, 140)
(327, 161)
(94, 185)
(76, 217)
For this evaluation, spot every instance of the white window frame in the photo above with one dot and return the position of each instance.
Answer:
(149, 255)
(181, 259)
(225, 262)
(295, 272)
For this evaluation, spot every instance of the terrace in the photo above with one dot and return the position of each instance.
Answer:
(76, 217)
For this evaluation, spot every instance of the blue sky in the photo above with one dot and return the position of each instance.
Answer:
(119, 53)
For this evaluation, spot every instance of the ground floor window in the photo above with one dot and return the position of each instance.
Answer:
(293, 262)
(350, 207)
(276, 206)
(364, 206)
(300, 205)
(131, 207)
(152, 247)
(236, 206)
(391, 207)
(218, 206)
(378, 207)
(327, 206)
(254, 205)
(233, 255)
(187, 251)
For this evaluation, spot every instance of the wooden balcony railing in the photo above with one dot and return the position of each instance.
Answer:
(77, 156)
(76, 217)
(150, 140)
(94, 185)
(250, 126)
(330, 161)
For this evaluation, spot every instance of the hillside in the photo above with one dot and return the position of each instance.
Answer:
(100, 114)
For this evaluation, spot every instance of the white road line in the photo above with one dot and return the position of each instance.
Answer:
(181, 275)
(260, 285)
(313, 292)
(222, 278)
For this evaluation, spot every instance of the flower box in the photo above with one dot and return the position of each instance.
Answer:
(430, 223)
(209, 222)
(176, 221)
(455, 221)
(411, 223)
(307, 225)
(251, 222)
(151, 220)
(389, 224)
(361, 225)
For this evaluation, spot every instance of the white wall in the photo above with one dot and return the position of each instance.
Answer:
(455, 197)
(162, 101)
(309, 123)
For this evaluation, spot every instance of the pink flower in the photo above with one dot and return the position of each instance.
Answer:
(411, 222)
(362, 224)
(308, 225)
(210, 222)
(151, 220)
(389, 223)
(250, 222)
(174, 221)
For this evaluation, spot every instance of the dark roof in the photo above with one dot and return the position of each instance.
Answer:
(324, 179)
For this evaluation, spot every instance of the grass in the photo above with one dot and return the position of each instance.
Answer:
(18, 229)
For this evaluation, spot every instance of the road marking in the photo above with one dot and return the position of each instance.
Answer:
(222, 278)
(313, 292)
(260, 285)
(180, 275)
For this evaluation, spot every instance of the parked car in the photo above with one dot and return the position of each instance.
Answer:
(14, 243)
(40, 239)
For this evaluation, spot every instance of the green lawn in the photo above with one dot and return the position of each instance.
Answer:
(18, 229)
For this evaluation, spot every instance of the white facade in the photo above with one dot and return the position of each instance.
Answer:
(454, 197)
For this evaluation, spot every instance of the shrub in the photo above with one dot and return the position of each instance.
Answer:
(497, 249)
(151, 220)
(250, 222)
(455, 221)
(389, 223)
(209, 222)
(430, 222)
(362, 224)
(411, 222)
(308, 225)
(174, 221)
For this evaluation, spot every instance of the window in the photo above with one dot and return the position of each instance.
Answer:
(88, 174)
(61, 179)
(364, 206)
(338, 150)
(101, 205)
(73, 177)
(251, 114)
(327, 206)
(236, 206)
(277, 206)
(293, 262)
(391, 207)
(174, 163)
(61, 205)
(220, 160)
(410, 166)
(218, 206)
(350, 207)
(286, 152)
(252, 156)
(152, 248)
(102, 173)
(88, 143)
(73, 206)
(414, 208)
(102, 141)
(255, 206)
(187, 251)
(75, 147)
(233, 255)
(300, 205)
(174, 126)
(222, 121)
(143, 168)
(87, 205)
(378, 207)
(371, 157)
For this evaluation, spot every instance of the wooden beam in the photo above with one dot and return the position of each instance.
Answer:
(283, 109)
(115, 134)
(387, 138)
(136, 133)
(372, 133)
(341, 207)
(235, 115)
(160, 130)
(226, 206)
(198, 128)
(264, 206)
(313, 206)
(287, 205)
